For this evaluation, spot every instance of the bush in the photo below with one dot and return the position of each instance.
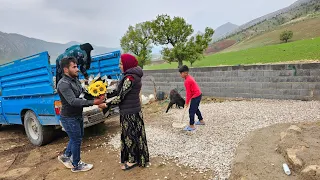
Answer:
(286, 35)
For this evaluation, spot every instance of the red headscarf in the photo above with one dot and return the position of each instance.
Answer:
(128, 61)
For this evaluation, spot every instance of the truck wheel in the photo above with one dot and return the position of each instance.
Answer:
(38, 135)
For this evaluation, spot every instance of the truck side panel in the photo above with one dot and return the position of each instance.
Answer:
(26, 84)
(109, 64)
(43, 105)
(2, 118)
(28, 76)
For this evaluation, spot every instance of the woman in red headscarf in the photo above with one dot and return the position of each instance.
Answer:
(134, 149)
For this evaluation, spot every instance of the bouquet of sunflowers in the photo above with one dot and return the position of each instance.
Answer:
(96, 86)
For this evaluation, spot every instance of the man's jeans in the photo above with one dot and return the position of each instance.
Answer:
(194, 109)
(74, 128)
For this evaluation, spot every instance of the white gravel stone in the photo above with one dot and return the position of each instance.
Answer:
(213, 146)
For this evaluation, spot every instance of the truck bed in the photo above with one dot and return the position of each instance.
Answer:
(29, 84)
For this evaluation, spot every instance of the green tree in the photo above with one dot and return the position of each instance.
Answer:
(197, 45)
(176, 34)
(286, 35)
(137, 40)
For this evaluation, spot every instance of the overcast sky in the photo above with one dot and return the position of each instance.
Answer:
(103, 22)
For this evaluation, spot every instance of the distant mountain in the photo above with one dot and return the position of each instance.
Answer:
(15, 46)
(223, 30)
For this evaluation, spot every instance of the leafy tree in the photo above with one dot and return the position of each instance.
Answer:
(176, 34)
(137, 40)
(197, 45)
(286, 35)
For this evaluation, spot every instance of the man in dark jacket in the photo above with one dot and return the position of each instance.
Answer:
(69, 89)
(82, 53)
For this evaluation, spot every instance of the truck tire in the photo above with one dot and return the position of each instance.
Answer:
(37, 134)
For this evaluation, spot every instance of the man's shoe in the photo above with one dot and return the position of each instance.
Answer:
(66, 161)
(82, 167)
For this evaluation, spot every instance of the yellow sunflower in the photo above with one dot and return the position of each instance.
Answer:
(97, 88)
(98, 84)
(102, 89)
(94, 91)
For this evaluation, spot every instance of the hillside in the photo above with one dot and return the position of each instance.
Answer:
(268, 22)
(303, 28)
(223, 30)
(292, 51)
(15, 46)
(254, 33)
(219, 46)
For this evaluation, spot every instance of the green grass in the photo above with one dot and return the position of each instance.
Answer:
(292, 51)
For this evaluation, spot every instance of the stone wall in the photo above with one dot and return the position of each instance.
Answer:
(279, 81)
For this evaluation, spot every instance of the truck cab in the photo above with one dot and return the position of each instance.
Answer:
(28, 95)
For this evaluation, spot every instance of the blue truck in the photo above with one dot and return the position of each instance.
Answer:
(28, 94)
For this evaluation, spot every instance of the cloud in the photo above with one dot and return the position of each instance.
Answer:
(103, 22)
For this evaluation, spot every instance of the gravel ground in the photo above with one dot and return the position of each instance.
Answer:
(213, 146)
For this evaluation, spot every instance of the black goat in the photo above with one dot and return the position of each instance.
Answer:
(175, 98)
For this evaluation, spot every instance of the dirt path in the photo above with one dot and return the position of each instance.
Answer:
(21, 160)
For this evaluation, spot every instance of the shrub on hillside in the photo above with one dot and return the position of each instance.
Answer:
(286, 35)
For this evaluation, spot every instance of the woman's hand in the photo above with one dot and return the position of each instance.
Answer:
(103, 105)
(103, 97)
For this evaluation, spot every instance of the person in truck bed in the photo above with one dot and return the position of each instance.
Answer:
(82, 53)
(69, 89)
